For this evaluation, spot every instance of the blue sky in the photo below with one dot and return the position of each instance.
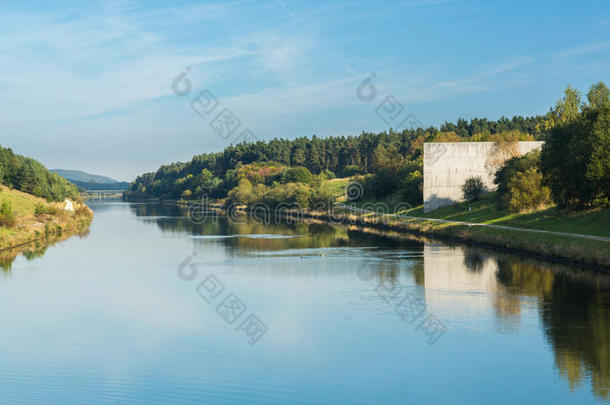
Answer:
(87, 85)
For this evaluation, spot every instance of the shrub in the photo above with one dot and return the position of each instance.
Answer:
(242, 194)
(327, 174)
(411, 188)
(527, 192)
(51, 210)
(297, 174)
(510, 169)
(352, 170)
(321, 197)
(7, 215)
(473, 188)
(380, 185)
(39, 209)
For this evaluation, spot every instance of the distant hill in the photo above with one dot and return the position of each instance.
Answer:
(91, 182)
(80, 176)
(118, 186)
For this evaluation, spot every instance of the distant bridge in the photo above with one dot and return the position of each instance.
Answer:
(102, 194)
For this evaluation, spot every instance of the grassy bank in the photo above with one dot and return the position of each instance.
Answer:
(587, 222)
(35, 219)
(594, 222)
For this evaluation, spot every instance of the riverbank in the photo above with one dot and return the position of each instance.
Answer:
(36, 220)
(548, 246)
(450, 223)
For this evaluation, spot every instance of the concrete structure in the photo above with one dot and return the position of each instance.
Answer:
(447, 165)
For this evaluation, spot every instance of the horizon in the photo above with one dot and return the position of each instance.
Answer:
(283, 69)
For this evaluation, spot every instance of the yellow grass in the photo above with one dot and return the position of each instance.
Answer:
(48, 227)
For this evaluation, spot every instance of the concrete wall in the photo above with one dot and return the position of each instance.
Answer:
(447, 165)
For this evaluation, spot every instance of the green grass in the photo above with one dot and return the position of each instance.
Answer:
(22, 203)
(586, 222)
(337, 186)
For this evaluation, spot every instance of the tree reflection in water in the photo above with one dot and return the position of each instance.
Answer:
(33, 250)
(574, 307)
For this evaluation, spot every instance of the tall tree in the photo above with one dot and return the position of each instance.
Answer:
(598, 95)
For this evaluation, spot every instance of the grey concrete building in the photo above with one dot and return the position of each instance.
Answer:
(447, 165)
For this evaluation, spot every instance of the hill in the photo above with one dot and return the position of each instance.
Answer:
(83, 177)
(27, 175)
(118, 186)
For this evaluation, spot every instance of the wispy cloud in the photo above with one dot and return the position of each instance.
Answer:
(584, 49)
(100, 73)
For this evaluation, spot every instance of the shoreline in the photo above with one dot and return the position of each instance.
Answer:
(463, 234)
(33, 233)
(552, 248)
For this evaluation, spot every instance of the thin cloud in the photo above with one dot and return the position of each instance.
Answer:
(584, 49)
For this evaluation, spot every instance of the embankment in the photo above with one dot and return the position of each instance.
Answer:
(34, 219)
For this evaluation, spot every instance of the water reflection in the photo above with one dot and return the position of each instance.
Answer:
(32, 251)
(243, 236)
(573, 304)
(574, 307)
(113, 301)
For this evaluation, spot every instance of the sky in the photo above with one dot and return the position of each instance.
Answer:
(118, 88)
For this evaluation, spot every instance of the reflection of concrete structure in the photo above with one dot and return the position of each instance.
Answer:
(450, 284)
(462, 282)
(447, 165)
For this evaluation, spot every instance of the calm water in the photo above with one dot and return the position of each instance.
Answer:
(349, 319)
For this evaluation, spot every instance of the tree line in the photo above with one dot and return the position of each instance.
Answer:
(391, 160)
(572, 170)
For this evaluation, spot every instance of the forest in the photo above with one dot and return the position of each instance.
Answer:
(395, 156)
(389, 162)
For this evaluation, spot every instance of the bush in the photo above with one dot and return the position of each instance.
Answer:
(351, 170)
(242, 194)
(7, 215)
(380, 185)
(473, 188)
(511, 168)
(411, 188)
(526, 191)
(327, 174)
(297, 174)
(39, 209)
(321, 197)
